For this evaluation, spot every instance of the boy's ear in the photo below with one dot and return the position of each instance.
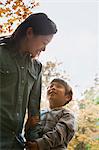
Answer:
(67, 97)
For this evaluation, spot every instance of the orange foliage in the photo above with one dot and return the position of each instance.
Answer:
(88, 132)
(13, 12)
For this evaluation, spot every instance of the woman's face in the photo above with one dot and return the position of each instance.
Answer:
(37, 43)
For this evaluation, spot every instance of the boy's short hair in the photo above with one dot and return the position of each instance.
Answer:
(68, 89)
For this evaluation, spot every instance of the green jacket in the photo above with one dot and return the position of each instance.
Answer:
(20, 88)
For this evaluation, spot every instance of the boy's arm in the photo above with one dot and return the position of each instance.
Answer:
(62, 133)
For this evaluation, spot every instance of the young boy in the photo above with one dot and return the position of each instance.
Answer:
(58, 124)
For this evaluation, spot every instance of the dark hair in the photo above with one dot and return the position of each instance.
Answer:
(68, 89)
(40, 24)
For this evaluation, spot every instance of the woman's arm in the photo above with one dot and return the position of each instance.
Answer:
(34, 102)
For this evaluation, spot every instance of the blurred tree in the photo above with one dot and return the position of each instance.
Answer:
(93, 92)
(53, 70)
(50, 70)
(12, 12)
(87, 135)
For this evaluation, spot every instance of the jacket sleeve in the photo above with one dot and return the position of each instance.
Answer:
(35, 94)
(31, 126)
(61, 134)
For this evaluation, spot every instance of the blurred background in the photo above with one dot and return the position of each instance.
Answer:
(72, 55)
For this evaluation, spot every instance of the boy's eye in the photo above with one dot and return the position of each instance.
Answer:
(49, 86)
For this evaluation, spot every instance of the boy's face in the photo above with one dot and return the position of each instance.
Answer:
(56, 95)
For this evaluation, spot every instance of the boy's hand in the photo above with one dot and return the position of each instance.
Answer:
(31, 146)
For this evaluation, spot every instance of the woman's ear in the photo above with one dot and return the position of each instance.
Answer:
(29, 33)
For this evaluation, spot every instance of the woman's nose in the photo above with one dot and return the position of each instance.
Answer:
(43, 49)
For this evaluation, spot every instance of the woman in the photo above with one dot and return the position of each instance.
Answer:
(20, 77)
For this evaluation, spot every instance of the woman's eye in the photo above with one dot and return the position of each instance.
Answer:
(44, 43)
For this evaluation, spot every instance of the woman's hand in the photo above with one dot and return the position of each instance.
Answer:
(31, 121)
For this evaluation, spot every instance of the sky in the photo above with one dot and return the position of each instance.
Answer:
(76, 43)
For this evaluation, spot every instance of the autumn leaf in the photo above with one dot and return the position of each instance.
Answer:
(14, 12)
